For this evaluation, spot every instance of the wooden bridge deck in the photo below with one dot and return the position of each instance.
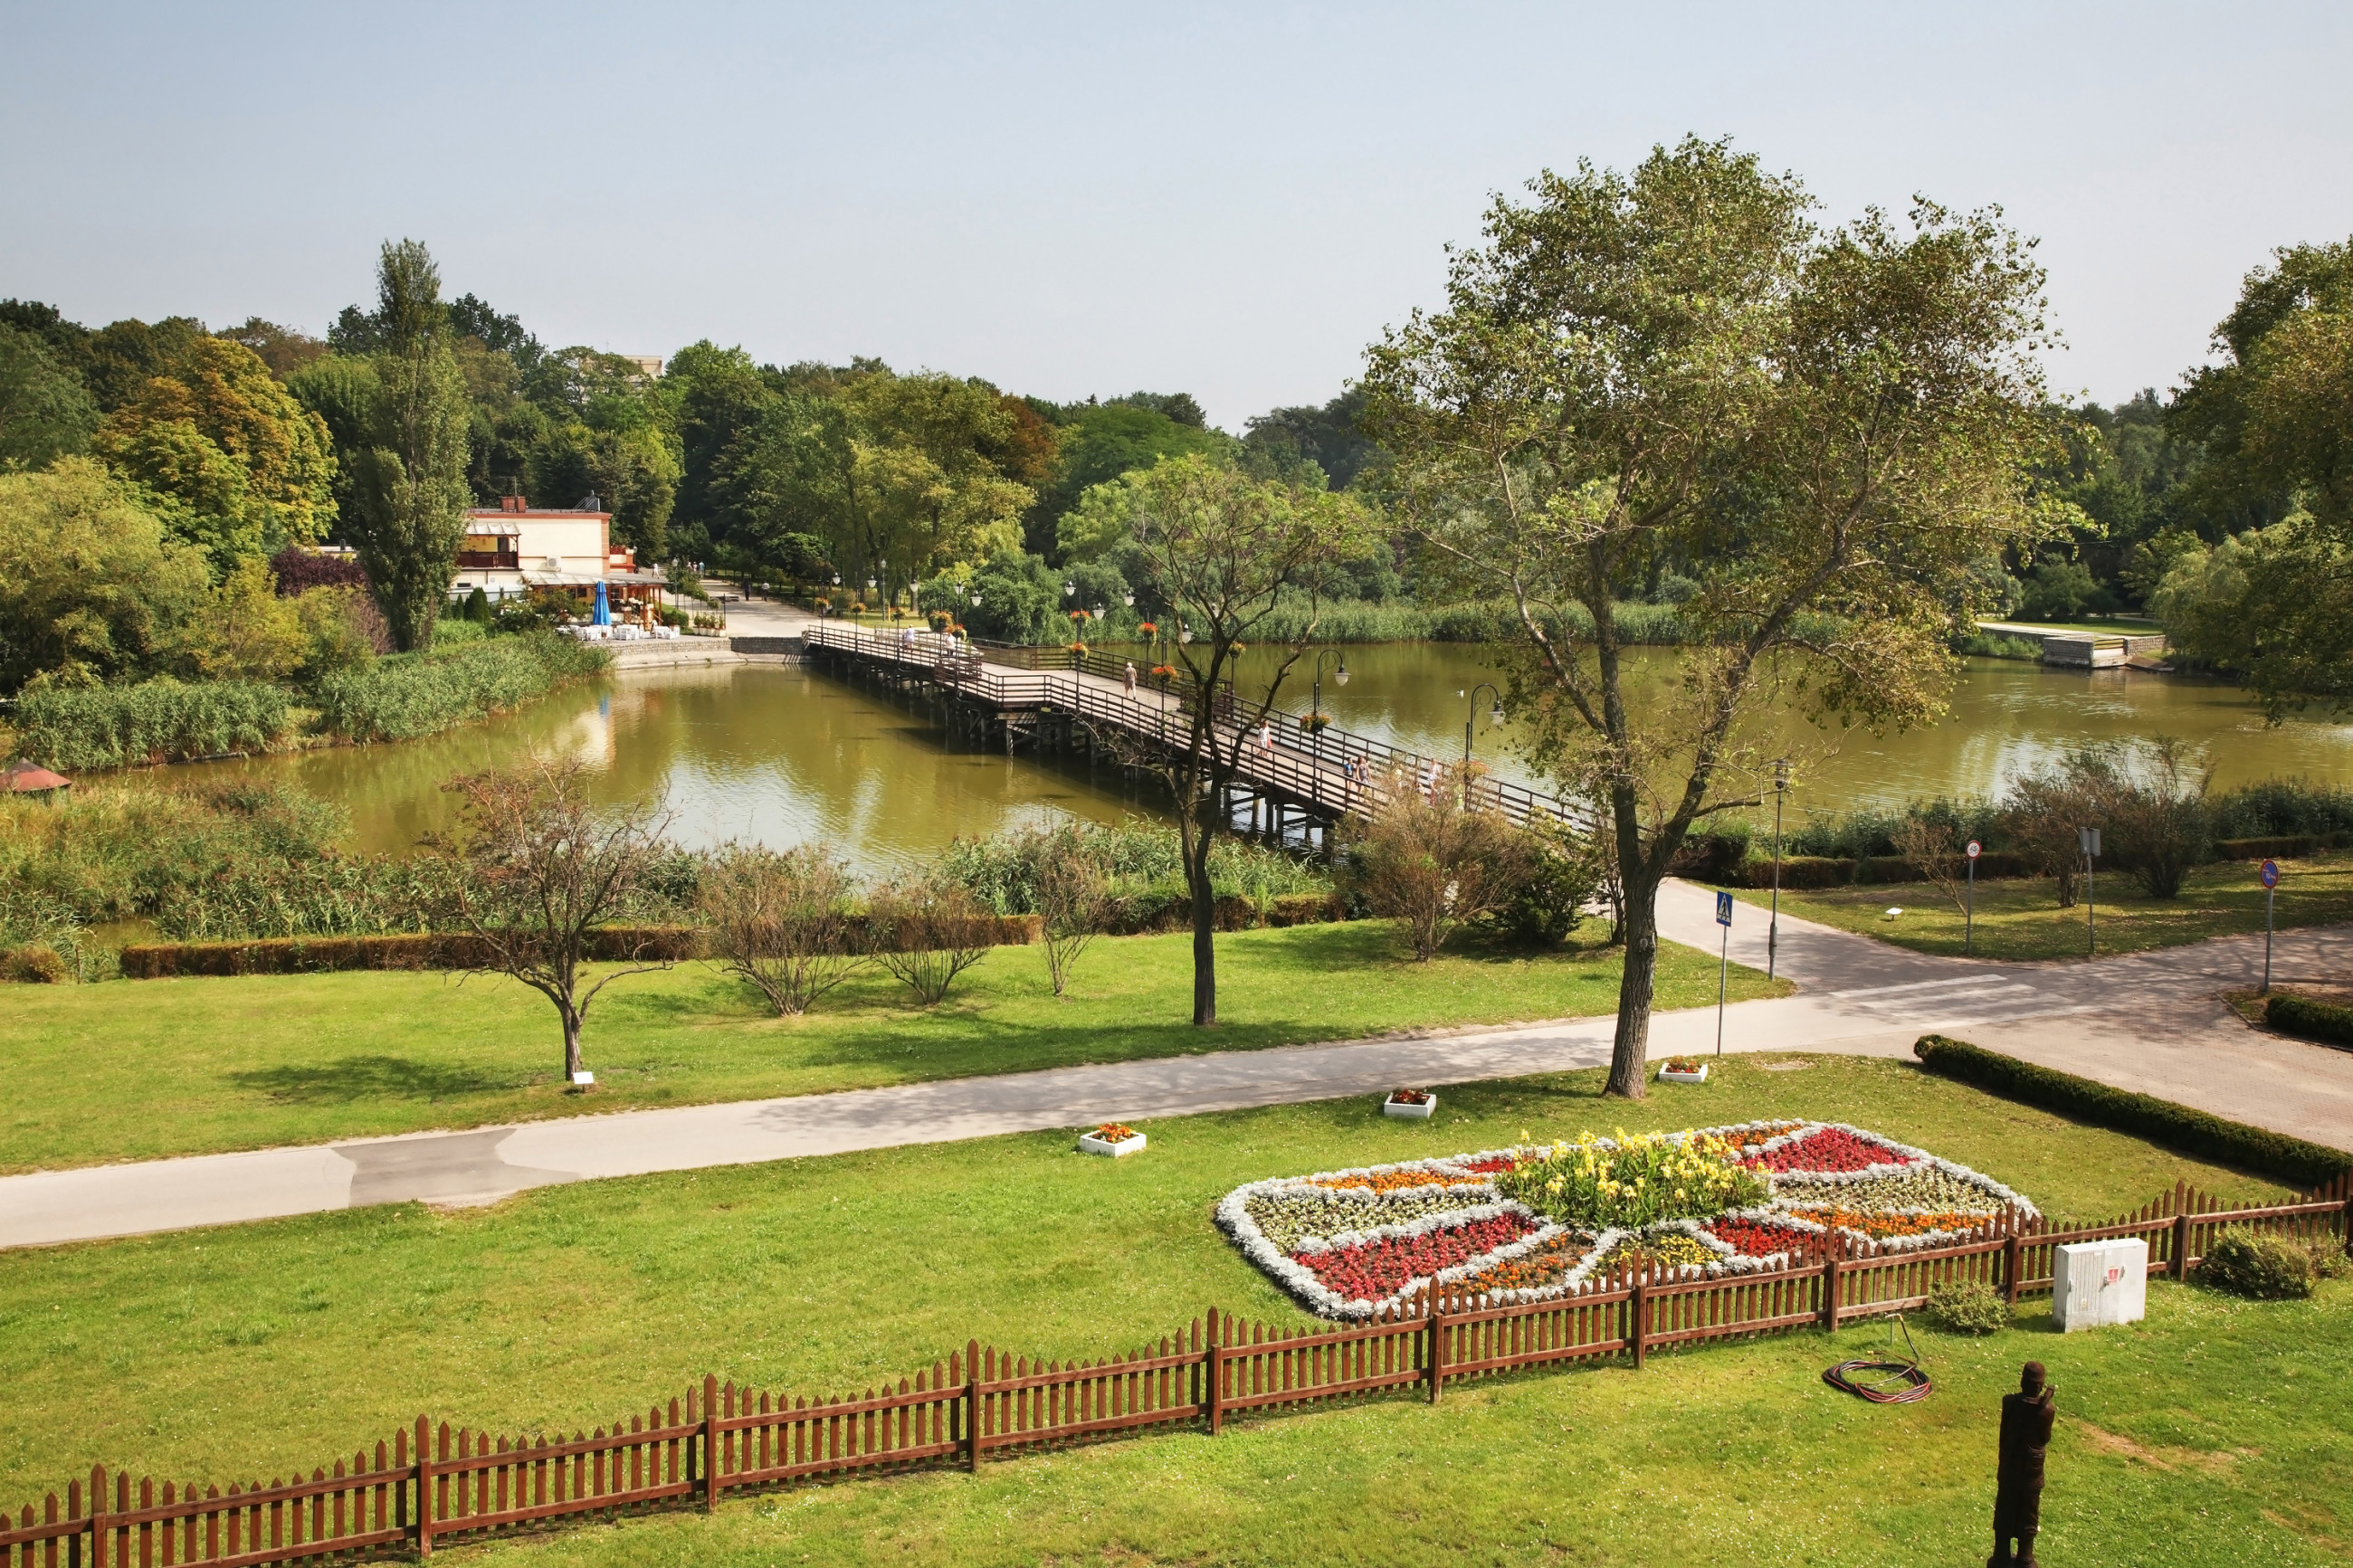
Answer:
(1287, 763)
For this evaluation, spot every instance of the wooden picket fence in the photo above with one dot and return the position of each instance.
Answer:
(434, 1484)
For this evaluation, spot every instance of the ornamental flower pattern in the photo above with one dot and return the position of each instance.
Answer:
(1357, 1243)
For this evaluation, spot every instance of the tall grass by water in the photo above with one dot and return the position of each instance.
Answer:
(161, 721)
(409, 695)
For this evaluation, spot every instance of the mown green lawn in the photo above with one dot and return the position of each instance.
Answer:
(138, 1069)
(231, 1351)
(2020, 918)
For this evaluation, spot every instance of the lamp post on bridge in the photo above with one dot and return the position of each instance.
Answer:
(1494, 717)
(1315, 702)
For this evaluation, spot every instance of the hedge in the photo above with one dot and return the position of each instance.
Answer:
(2310, 1017)
(1724, 862)
(161, 720)
(2290, 1160)
(2284, 847)
(322, 954)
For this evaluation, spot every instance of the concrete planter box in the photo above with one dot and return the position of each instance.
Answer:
(1421, 1113)
(1090, 1143)
(1668, 1074)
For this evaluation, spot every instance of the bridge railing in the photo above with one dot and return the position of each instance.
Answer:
(1306, 762)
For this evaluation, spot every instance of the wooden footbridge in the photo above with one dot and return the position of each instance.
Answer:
(1294, 780)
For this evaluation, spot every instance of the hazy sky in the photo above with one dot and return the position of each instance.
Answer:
(1097, 199)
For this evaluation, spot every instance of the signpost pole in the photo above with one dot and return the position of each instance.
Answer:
(1723, 964)
(2270, 889)
(1773, 924)
(2089, 838)
(1969, 911)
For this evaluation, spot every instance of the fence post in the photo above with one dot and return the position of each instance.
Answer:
(1213, 1376)
(424, 1489)
(1437, 1362)
(972, 1406)
(98, 1516)
(1637, 1309)
(2180, 1270)
(1830, 1285)
(2011, 1254)
(2347, 1223)
(710, 1441)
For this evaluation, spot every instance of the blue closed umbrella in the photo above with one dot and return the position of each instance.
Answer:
(604, 611)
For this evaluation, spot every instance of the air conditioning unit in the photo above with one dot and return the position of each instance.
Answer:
(2096, 1283)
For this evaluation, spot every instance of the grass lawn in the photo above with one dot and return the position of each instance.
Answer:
(137, 1069)
(271, 1343)
(2020, 918)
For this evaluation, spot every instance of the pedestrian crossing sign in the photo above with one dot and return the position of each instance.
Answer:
(1724, 909)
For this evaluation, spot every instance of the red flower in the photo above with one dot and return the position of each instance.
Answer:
(1830, 1149)
(1374, 1270)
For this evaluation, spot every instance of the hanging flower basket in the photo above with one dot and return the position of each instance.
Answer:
(1310, 722)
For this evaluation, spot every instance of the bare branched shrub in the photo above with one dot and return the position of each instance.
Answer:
(1929, 848)
(782, 922)
(2042, 811)
(2158, 824)
(531, 869)
(928, 932)
(1422, 858)
(1076, 901)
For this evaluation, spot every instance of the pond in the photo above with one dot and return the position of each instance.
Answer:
(783, 754)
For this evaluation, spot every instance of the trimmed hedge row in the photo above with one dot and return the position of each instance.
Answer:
(2283, 846)
(2291, 1160)
(1723, 861)
(2310, 1017)
(325, 954)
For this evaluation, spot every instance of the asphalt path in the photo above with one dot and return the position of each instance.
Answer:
(2149, 1022)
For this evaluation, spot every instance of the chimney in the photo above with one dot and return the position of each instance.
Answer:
(512, 503)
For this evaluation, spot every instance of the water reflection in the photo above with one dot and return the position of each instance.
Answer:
(783, 755)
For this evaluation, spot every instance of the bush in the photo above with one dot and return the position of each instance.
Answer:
(2264, 1268)
(2310, 1018)
(1425, 860)
(161, 721)
(1563, 872)
(35, 963)
(328, 955)
(2278, 808)
(1141, 861)
(1968, 1307)
(408, 695)
(781, 922)
(2291, 1160)
(927, 932)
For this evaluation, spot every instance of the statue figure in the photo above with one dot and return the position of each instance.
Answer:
(2026, 1419)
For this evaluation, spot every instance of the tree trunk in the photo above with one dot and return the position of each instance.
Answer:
(1205, 934)
(1631, 1048)
(571, 1043)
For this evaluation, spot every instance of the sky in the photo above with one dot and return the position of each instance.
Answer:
(1098, 198)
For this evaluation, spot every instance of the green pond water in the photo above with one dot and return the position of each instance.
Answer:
(782, 755)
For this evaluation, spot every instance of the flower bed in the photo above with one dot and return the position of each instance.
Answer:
(1539, 1221)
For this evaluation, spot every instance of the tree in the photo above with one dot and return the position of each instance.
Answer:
(1074, 900)
(531, 870)
(92, 587)
(1328, 437)
(1828, 431)
(45, 411)
(782, 922)
(409, 487)
(2278, 417)
(1228, 552)
(245, 468)
(248, 632)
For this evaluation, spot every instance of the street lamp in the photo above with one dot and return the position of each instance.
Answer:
(1494, 717)
(1315, 702)
(1773, 929)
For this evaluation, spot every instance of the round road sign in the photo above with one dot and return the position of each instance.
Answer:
(1975, 848)
(2271, 873)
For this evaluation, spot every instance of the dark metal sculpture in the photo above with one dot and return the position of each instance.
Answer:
(2026, 1419)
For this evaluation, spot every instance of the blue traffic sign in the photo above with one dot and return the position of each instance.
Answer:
(2270, 874)
(1724, 909)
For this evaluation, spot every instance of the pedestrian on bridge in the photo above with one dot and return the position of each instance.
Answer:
(1128, 680)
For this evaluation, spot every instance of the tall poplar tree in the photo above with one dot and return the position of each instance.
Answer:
(408, 483)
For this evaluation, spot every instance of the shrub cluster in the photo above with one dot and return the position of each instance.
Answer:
(2310, 1018)
(1143, 865)
(1968, 1307)
(408, 695)
(2291, 1160)
(2265, 1267)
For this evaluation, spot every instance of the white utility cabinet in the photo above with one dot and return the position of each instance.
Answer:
(2097, 1283)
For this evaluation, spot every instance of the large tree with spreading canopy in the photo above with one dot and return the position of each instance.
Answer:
(1827, 429)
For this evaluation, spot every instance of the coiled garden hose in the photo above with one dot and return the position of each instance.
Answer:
(1882, 1381)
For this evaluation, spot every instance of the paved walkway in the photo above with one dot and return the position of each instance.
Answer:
(2148, 1021)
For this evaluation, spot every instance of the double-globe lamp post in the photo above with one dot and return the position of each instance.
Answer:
(1316, 701)
(1494, 717)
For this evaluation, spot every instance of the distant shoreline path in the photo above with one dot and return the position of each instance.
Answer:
(2149, 1022)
